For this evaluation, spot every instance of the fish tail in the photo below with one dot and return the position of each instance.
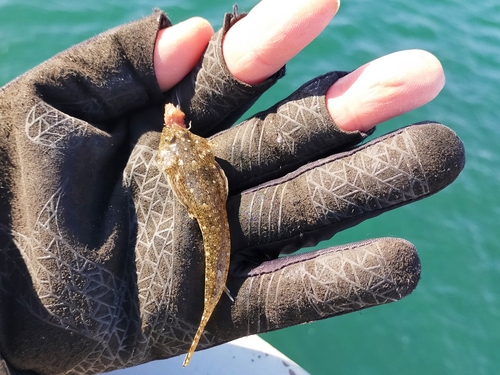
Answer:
(217, 247)
(197, 336)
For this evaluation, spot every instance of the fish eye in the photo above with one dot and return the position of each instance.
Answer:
(171, 139)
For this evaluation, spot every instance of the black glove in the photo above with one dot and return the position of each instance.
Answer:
(100, 266)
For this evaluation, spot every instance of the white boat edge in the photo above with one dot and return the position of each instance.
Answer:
(245, 356)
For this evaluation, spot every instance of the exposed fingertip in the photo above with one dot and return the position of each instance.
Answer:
(178, 48)
(202, 27)
(428, 67)
(385, 88)
(272, 33)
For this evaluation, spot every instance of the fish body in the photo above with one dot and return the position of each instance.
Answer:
(200, 185)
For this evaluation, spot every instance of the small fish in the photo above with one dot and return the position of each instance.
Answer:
(201, 186)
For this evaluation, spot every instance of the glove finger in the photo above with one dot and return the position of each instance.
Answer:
(297, 130)
(209, 95)
(318, 285)
(329, 195)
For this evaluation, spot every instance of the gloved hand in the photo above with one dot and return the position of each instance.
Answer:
(101, 267)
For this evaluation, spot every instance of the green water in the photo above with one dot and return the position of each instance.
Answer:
(451, 323)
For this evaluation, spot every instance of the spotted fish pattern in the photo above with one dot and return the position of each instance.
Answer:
(201, 186)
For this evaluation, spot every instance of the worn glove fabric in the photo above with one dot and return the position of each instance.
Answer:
(100, 266)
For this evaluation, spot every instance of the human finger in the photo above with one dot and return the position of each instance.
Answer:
(317, 285)
(384, 88)
(272, 33)
(178, 48)
(326, 115)
(331, 194)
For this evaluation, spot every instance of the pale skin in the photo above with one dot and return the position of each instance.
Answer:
(379, 90)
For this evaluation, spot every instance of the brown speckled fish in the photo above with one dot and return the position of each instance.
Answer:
(201, 186)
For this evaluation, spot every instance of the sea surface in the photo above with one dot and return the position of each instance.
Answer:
(451, 322)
